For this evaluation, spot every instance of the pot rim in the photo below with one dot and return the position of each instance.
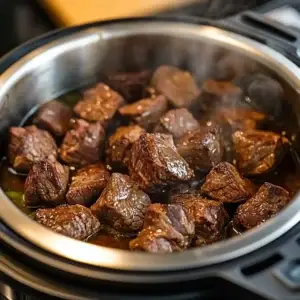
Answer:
(132, 261)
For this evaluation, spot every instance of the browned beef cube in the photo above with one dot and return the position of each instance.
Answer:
(122, 205)
(29, 145)
(239, 118)
(131, 85)
(87, 184)
(46, 184)
(154, 162)
(83, 144)
(99, 104)
(120, 143)
(177, 122)
(257, 151)
(166, 229)
(145, 112)
(55, 117)
(177, 85)
(216, 94)
(225, 184)
(75, 221)
(266, 203)
(202, 148)
(210, 217)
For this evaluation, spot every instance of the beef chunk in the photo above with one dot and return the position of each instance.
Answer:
(225, 184)
(29, 145)
(120, 143)
(154, 162)
(257, 151)
(83, 144)
(239, 118)
(266, 203)
(201, 148)
(99, 104)
(265, 93)
(177, 122)
(87, 184)
(130, 85)
(122, 205)
(216, 94)
(210, 217)
(145, 112)
(166, 229)
(46, 184)
(177, 85)
(75, 221)
(55, 117)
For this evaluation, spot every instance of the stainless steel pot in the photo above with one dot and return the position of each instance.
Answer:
(80, 57)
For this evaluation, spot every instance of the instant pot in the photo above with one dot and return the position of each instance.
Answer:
(36, 263)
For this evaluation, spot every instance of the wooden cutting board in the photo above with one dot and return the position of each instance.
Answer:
(74, 12)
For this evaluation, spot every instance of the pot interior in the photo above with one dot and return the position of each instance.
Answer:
(83, 58)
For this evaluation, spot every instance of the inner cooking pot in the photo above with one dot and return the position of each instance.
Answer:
(83, 57)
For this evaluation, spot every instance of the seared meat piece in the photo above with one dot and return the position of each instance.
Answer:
(87, 184)
(239, 118)
(29, 145)
(216, 94)
(265, 93)
(75, 221)
(257, 151)
(265, 204)
(130, 85)
(177, 85)
(99, 104)
(177, 122)
(210, 217)
(145, 112)
(202, 148)
(225, 184)
(166, 229)
(55, 117)
(120, 143)
(83, 144)
(154, 162)
(122, 205)
(46, 184)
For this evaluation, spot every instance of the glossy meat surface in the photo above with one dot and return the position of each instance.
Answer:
(120, 143)
(209, 216)
(87, 184)
(258, 152)
(99, 103)
(29, 145)
(154, 162)
(225, 184)
(82, 144)
(202, 148)
(166, 229)
(122, 205)
(55, 117)
(145, 112)
(177, 85)
(177, 122)
(265, 204)
(75, 221)
(46, 184)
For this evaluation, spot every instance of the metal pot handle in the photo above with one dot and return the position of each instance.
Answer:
(255, 26)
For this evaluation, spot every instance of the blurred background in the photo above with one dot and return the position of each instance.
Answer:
(24, 19)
